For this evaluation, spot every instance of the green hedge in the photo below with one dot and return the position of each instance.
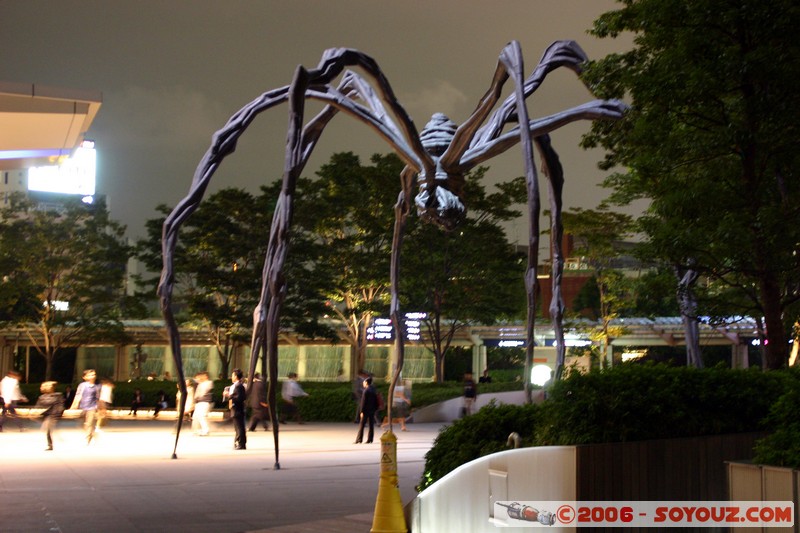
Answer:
(633, 402)
(328, 402)
(782, 446)
(637, 402)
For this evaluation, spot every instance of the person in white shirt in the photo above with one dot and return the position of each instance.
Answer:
(11, 395)
(203, 398)
(105, 401)
(290, 390)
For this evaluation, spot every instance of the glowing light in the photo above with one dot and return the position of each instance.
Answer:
(75, 175)
(58, 305)
(636, 354)
(540, 374)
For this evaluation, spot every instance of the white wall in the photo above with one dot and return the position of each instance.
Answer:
(463, 500)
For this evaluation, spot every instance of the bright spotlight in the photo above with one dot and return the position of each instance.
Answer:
(540, 374)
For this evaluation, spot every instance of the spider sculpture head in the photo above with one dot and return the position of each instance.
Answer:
(444, 205)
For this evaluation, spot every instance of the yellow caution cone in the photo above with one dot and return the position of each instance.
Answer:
(389, 517)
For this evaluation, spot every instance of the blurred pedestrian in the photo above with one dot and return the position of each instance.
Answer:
(137, 402)
(257, 397)
(470, 394)
(53, 404)
(12, 395)
(401, 405)
(188, 409)
(291, 390)
(161, 402)
(105, 401)
(86, 398)
(203, 398)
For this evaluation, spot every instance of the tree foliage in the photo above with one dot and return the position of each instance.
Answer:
(711, 140)
(219, 260)
(471, 275)
(349, 211)
(63, 275)
(598, 235)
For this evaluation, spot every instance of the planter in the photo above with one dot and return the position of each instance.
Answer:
(752, 482)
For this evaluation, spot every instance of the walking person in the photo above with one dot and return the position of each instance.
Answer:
(86, 398)
(11, 395)
(470, 394)
(290, 390)
(369, 406)
(203, 398)
(400, 407)
(104, 402)
(257, 396)
(358, 391)
(188, 409)
(237, 395)
(53, 404)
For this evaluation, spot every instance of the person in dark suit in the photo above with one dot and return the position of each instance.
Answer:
(369, 406)
(258, 403)
(237, 396)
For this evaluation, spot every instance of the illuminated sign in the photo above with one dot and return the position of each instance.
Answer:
(506, 343)
(570, 342)
(74, 175)
(383, 330)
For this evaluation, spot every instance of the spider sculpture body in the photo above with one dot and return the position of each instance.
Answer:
(436, 159)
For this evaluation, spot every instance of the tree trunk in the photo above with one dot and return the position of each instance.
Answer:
(49, 356)
(224, 353)
(360, 349)
(439, 366)
(777, 348)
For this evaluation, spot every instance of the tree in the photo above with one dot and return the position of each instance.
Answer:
(711, 140)
(471, 275)
(219, 261)
(63, 274)
(349, 209)
(598, 235)
(654, 294)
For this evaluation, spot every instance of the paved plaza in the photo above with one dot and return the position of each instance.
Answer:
(126, 481)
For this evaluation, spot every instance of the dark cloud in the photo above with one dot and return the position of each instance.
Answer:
(173, 72)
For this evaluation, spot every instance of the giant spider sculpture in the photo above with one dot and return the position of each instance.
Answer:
(436, 159)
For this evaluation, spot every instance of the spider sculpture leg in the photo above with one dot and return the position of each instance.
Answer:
(474, 144)
(224, 143)
(299, 145)
(401, 211)
(470, 146)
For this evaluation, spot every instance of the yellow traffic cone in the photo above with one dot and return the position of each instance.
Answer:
(389, 517)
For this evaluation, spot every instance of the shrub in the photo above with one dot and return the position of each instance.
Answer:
(633, 402)
(474, 436)
(782, 446)
(327, 402)
(637, 402)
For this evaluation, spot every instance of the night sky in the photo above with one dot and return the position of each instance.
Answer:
(172, 72)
